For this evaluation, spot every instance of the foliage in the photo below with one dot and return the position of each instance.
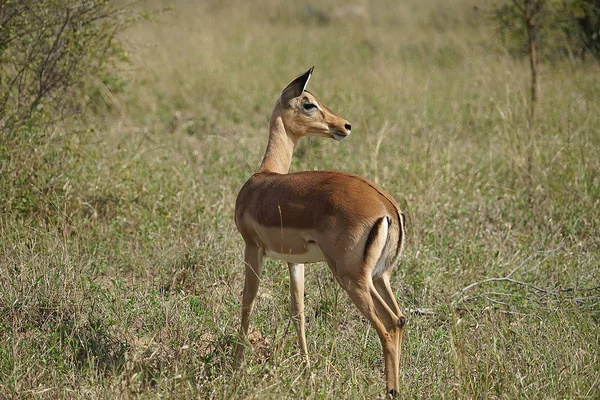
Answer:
(53, 55)
(48, 48)
(565, 27)
(590, 25)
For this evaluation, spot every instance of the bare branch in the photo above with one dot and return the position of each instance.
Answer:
(508, 278)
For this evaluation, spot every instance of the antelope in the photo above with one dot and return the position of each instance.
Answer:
(306, 217)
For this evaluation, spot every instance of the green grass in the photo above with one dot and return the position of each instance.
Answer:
(121, 268)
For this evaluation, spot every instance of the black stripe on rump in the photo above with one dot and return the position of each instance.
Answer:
(371, 238)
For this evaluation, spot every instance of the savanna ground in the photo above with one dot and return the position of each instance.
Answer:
(121, 268)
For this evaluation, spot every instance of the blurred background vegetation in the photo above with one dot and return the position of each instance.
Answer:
(126, 131)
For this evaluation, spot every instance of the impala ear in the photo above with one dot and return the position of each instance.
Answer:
(296, 87)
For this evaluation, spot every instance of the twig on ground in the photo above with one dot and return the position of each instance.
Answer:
(508, 278)
(503, 279)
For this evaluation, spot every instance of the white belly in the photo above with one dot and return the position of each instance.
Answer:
(313, 254)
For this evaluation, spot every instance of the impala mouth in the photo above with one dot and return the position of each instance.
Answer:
(340, 136)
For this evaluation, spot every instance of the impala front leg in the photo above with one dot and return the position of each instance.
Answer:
(297, 300)
(253, 257)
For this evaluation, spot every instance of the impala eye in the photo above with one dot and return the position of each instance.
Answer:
(309, 106)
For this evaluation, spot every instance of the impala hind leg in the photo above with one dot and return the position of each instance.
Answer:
(384, 289)
(253, 257)
(384, 320)
(297, 300)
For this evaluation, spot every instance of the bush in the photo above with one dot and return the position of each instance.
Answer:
(589, 23)
(52, 55)
(563, 27)
(47, 49)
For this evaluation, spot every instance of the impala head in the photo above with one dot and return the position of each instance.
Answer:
(303, 115)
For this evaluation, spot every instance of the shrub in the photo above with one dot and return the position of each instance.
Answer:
(564, 27)
(52, 55)
(47, 49)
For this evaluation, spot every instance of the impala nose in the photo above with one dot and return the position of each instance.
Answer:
(348, 127)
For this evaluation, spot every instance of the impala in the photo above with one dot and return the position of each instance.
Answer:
(305, 217)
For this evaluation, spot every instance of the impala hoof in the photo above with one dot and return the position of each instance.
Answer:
(392, 394)
(402, 321)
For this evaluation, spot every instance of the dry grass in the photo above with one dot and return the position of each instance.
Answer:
(120, 265)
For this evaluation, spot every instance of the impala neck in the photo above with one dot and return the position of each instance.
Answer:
(280, 148)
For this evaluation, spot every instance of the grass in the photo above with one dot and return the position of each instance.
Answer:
(121, 268)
